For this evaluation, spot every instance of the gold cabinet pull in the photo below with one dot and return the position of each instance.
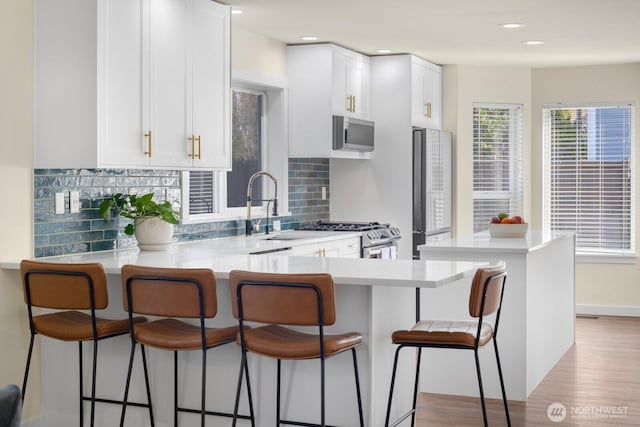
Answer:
(148, 136)
(349, 103)
(353, 104)
(427, 109)
(192, 140)
(199, 140)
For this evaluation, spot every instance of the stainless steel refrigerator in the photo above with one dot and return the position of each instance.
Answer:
(431, 186)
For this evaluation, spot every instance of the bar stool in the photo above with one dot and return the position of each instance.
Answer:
(290, 299)
(170, 293)
(487, 290)
(72, 287)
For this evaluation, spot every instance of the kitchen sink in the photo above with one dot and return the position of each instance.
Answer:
(281, 237)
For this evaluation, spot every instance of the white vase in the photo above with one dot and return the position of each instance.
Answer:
(153, 234)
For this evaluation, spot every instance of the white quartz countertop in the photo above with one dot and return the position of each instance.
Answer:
(482, 242)
(224, 255)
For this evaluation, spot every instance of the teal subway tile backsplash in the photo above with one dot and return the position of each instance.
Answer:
(86, 231)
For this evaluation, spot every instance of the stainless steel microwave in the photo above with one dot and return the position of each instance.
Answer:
(352, 134)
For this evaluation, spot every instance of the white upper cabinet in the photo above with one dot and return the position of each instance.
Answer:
(325, 80)
(351, 80)
(426, 90)
(132, 83)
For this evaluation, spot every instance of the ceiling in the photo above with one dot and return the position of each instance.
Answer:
(575, 32)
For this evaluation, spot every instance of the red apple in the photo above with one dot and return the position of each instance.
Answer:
(495, 220)
(516, 220)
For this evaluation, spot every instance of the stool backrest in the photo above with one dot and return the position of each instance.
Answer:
(64, 286)
(286, 299)
(171, 292)
(486, 290)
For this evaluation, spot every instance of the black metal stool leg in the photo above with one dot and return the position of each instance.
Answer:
(93, 381)
(204, 385)
(415, 386)
(126, 386)
(484, 407)
(26, 369)
(175, 389)
(278, 396)
(393, 380)
(80, 386)
(355, 369)
(504, 394)
(146, 382)
(322, 389)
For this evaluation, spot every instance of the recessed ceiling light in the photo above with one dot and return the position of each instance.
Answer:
(511, 25)
(533, 42)
(383, 51)
(309, 38)
(237, 11)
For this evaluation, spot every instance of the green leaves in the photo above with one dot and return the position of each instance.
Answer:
(135, 207)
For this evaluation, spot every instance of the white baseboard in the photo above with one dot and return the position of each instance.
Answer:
(608, 310)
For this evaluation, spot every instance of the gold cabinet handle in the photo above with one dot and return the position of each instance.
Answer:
(199, 140)
(192, 140)
(353, 104)
(349, 103)
(148, 136)
(427, 109)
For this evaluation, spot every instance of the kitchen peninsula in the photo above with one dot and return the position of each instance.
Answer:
(537, 324)
(372, 296)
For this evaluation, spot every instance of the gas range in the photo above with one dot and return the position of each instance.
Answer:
(373, 233)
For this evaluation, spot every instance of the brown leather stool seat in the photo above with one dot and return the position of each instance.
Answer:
(170, 293)
(303, 300)
(485, 299)
(71, 287)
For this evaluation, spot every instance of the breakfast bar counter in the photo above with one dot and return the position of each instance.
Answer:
(537, 324)
(373, 297)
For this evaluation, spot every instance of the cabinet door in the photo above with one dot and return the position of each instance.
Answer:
(169, 79)
(427, 96)
(341, 96)
(358, 81)
(211, 85)
(310, 249)
(120, 76)
(350, 86)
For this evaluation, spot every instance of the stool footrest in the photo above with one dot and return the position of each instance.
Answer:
(402, 418)
(116, 402)
(298, 423)
(214, 413)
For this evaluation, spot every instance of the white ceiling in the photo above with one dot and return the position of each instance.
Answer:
(575, 32)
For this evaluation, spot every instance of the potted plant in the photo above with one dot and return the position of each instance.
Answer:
(152, 222)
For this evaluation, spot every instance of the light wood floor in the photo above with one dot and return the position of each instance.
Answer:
(602, 370)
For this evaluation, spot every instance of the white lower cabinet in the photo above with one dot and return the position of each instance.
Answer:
(342, 248)
(132, 83)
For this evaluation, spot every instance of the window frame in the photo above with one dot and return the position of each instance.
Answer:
(275, 149)
(600, 255)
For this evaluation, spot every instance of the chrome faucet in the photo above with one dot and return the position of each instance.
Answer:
(248, 226)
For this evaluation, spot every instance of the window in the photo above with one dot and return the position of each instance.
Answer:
(222, 192)
(498, 182)
(589, 176)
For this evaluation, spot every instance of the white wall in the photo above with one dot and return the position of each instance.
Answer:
(251, 51)
(601, 288)
(16, 140)
(462, 86)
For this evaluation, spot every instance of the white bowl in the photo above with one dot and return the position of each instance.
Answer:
(508, 230)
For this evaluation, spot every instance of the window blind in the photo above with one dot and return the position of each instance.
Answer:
(589, 176)
(201, 195)
(498, 180)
